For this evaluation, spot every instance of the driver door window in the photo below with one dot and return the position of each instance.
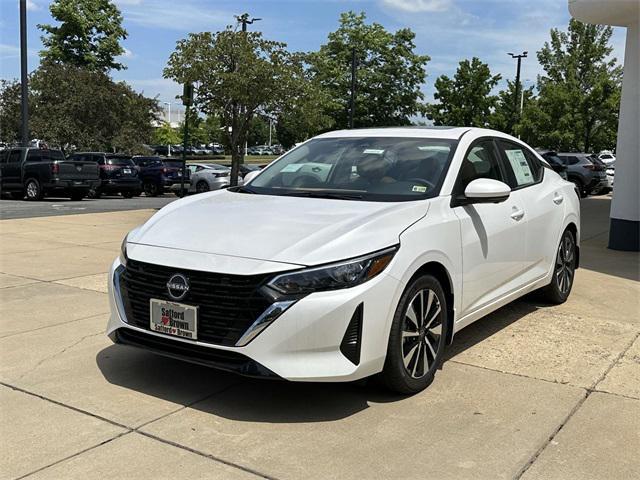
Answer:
(481, 161)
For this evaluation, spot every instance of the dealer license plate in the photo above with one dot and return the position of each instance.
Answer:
(173, 318)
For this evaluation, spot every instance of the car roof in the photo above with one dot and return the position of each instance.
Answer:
(443, 132)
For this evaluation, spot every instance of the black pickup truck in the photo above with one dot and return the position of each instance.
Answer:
(36, 172)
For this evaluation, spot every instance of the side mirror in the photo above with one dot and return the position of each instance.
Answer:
(485, 190)
(251, 175)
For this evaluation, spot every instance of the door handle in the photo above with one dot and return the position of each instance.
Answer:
(517, 214)
(557, 199)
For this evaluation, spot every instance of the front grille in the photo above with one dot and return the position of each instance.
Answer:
(228, 304)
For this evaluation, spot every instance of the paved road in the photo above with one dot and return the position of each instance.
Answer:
(10, 209)
(530, 392)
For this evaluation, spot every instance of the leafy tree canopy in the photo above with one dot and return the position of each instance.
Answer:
(579, 93)
(237, 74)
(465, 100)
(73, 106)
(389, 73)
(88, 34)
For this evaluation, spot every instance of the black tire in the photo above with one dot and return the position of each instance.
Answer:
(564, 270)
(419, 343)
(95, 193)
(77, 196)
(580, 186)
(151, 189)
(202, 186)
(33, 190)
(127, 194)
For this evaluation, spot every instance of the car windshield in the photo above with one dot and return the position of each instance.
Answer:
(367, 168)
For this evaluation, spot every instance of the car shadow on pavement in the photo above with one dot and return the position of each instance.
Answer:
(271, 401)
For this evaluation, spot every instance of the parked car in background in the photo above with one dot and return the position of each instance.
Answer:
(118, 174)
(244, 168)
(205, 177)
(39, 172)
(606, 157)
(554, 162)
(605, 187)
(587, 175)
(157, 174)
(611, 171)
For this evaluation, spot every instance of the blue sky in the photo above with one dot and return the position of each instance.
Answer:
(446, 30)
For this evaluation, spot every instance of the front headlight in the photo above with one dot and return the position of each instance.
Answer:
(123, 251)
(334, 276)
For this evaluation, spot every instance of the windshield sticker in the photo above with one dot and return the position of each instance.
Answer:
(419, 188)
(520, 166)
(374, 151)
(292, 167)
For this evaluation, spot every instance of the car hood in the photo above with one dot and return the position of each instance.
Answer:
(293, 230)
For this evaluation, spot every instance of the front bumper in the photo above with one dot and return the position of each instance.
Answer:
(303, 344)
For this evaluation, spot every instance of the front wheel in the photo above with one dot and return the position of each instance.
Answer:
(563, 272)
(417, 338)
(202, 186)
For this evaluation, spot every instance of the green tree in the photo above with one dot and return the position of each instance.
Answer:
(504, 111)
(237, 74)
(465, 100)
(579, 93)
(88, 35)
(10, 113)
(73, 106)
(389, 73)
(165, 134)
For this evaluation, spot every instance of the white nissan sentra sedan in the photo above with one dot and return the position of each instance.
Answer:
(358, 253)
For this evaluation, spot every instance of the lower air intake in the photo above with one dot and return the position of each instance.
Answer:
(352, 340)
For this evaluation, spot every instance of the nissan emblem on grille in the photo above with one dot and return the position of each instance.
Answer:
(178, 286)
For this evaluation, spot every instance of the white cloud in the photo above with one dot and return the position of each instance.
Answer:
(128, 53)
(170, 14)
(32, 6)
(415, 6)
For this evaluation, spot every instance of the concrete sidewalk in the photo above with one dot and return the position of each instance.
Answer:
(531, 391)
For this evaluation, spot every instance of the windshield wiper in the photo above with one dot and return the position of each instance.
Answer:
(332, 195)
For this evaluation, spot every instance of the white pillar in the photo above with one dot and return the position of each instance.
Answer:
(624, 233)
(625, 208)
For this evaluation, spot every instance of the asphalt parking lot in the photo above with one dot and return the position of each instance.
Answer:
(531, 391)
(63, 206)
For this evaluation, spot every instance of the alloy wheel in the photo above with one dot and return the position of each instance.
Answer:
(421, 333)
(565, 264)
(32, 190)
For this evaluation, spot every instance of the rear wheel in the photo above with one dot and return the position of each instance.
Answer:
(151, 189)
(202, 186)
(417, 337)
(563, 272)
(33, 190)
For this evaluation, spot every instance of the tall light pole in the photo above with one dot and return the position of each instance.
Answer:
(169, 122)
(245, 20)
(516, 96)
(24, 87)
(352, 98)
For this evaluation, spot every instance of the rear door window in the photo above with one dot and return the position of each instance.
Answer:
(33, 156)
(522, 167)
